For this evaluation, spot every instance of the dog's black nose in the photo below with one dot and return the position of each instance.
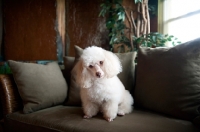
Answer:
(98, 74)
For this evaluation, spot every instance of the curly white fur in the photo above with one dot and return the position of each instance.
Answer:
(101, 90)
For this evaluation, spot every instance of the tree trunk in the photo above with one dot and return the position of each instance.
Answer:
(138, 24)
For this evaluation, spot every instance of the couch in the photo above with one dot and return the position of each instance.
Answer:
(164, 82)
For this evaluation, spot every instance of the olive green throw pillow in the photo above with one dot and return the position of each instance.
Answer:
(127, 76)
(168, 80)
(40, 86)
(68, 64)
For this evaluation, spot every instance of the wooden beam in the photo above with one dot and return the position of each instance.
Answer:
(61, 22)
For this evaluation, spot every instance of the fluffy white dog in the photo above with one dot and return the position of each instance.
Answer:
(101, 90)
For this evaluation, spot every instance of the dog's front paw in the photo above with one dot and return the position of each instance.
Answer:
(109, 119)
(86, 117)
(120, 113)
(110, 116)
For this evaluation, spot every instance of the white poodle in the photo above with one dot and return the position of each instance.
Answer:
(101, 90)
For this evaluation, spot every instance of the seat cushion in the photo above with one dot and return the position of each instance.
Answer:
(196, 121)
(66, 119)
(168, 80)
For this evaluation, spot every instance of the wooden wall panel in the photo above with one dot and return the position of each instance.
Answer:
(154, 23)
(84, 26)
(1, 27)
(29, 29)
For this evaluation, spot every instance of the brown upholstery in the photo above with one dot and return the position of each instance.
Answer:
(196, 121)
(1, 111)
(68, 119)
(10, 99)
(65, 118)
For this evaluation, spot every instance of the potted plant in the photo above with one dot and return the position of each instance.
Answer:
(130, 28)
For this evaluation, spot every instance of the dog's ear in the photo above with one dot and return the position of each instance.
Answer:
(112, 64)
(81, 74)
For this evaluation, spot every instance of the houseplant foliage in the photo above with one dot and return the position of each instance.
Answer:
(130, 28)
(4, 68)
(155, 39)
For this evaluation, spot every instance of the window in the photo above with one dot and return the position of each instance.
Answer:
(180, 18)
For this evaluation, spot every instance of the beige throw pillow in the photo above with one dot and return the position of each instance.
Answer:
(40, 86)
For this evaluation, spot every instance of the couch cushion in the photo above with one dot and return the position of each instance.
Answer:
(40, 86)
(68, 64)
(67, 119)
(196, 121)
(127, 76)
(168, 80)
(73, 97)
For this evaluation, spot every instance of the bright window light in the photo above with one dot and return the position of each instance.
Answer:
(181, 18)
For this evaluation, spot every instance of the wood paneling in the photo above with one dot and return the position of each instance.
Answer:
(29, 29)
(84, 26)
(154, 23)
(1, 26)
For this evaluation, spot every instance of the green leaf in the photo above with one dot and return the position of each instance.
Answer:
(154, 38)
(137, 1)
(149, 44)
(121, 16)
(110, 34)
(117, 1)
(169, 39)
(163, 41)
(111, 40)
(103, 4)
(110, 24)
(166, 35)
(102, 12)
(115, 39)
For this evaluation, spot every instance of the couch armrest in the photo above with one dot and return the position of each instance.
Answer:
(10, 98)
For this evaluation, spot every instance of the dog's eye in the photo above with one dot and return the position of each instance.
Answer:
(90, 66)
(101, 62)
